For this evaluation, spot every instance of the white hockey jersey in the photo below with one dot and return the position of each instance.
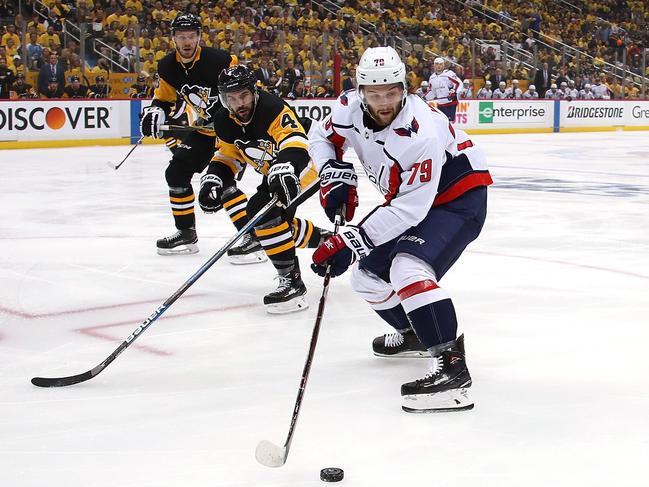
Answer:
(528, 95)
(440, 86)
(485, 93)
(586, 95)
(413, 162)
(499, 94)
(601, 92)
(511, 93)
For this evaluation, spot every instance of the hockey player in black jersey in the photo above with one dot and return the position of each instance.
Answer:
(257, 128)
(187, 75)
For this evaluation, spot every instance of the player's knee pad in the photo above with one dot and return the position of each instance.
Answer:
(260, 199)
(378, 293)
(407, 269)
(177, 177)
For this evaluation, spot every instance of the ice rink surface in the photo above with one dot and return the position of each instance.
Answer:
(553, 299)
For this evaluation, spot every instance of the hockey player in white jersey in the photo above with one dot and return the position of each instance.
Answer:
(500, 93)
(434, 180)
(553, 93)
(571, 91)
(485, 92)
(586, 93)
(600, 90)
(422, 90)
(443, 89)
(467, 90)
(514, 91)
(531, 93)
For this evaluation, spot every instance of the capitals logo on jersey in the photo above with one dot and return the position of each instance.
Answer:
(258, 153)
(409, 129)
(199, 99)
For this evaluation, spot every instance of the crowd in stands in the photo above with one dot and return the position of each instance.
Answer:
(291, 44)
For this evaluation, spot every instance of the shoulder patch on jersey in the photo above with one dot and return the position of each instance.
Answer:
(409, 129)
(344, 100)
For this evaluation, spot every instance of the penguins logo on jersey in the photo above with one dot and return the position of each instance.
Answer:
(258, 152)
(198, 98)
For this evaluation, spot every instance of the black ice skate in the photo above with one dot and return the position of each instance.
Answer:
(444, 388)
(289, 295)
(248, 251)
(181, 242)
(399, 345)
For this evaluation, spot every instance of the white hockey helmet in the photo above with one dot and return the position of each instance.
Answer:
(466, 82)
(380, 66)
(564, 84)
(502, 84)
(424, 85)
(438, 60)
(488, 83)
(586, 86)
(515, 82)
(553, 86)
(532, 88)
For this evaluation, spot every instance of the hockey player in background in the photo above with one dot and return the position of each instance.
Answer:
(189, 74)
(531, 93)
(258, 128)
(467, 90)
(514, 91)
(500, 93)
(553, 93)
(586, 93)
(600, 89)
(434, 179)
(485, 92)
(443, 89)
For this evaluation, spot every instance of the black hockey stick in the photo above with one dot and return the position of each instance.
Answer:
(116, 166)
(268, 453)
(75, 379)
(186, 128)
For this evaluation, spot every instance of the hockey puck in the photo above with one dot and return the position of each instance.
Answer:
(331, 474)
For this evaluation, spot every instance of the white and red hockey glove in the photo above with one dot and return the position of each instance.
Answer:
(338, 183)
(341, 251)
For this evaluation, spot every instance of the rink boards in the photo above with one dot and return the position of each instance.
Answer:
(58, 123)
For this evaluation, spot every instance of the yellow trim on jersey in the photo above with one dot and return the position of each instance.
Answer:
(165, 92)
(183, 199)
(279, 249)
(285, 125)
(228, 204)
(264, 232)
(183, 212)
(308, 176)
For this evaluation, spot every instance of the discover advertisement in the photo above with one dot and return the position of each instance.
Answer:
(64, 120)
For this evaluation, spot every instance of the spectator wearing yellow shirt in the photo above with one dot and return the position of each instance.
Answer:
(49, 37)
(150, 65)
(247, 54)
(135, 5)
(37, 24)
(11, 34)
(128, 18)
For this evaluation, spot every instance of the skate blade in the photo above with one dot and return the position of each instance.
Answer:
(181, 250)
(245, 259)
(292, 306)
(409, 354)
(438, 402)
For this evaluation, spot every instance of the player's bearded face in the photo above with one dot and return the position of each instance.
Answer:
(384, 102)
(241, 103)
(186, 43)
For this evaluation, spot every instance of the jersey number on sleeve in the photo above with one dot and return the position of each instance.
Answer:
(424, 169)
(287, 121)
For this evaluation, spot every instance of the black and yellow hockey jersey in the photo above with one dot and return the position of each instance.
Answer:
(195, 83)
(273, 135)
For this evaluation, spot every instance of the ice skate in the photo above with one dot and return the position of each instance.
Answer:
(248, 251)
(399, 345)
(182, 242)
(289, 295)
(445, 387)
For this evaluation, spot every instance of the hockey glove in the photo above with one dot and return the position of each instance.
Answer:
(452, 95)
(152, 119)
(338, 183)
(283, 183)
(341, 251)
(209, 196)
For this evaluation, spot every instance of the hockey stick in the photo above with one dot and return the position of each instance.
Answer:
(186, 128)
(116, 166)
(267, 453)
(75, 379)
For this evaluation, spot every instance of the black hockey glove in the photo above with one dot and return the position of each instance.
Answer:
(209, 196)
(152, 119)
(338, 183)
(283, 182)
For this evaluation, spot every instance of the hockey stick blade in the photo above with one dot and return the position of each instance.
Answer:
(270, 455)
(111, 165)
(62, 381)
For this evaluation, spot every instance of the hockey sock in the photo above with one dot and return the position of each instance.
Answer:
(182, 207)
(235, 205)
(276, 238)
(395, 317)
(306, 234)
(429, 308)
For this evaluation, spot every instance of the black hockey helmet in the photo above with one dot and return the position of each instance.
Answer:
(236, 78)
(185, 22)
